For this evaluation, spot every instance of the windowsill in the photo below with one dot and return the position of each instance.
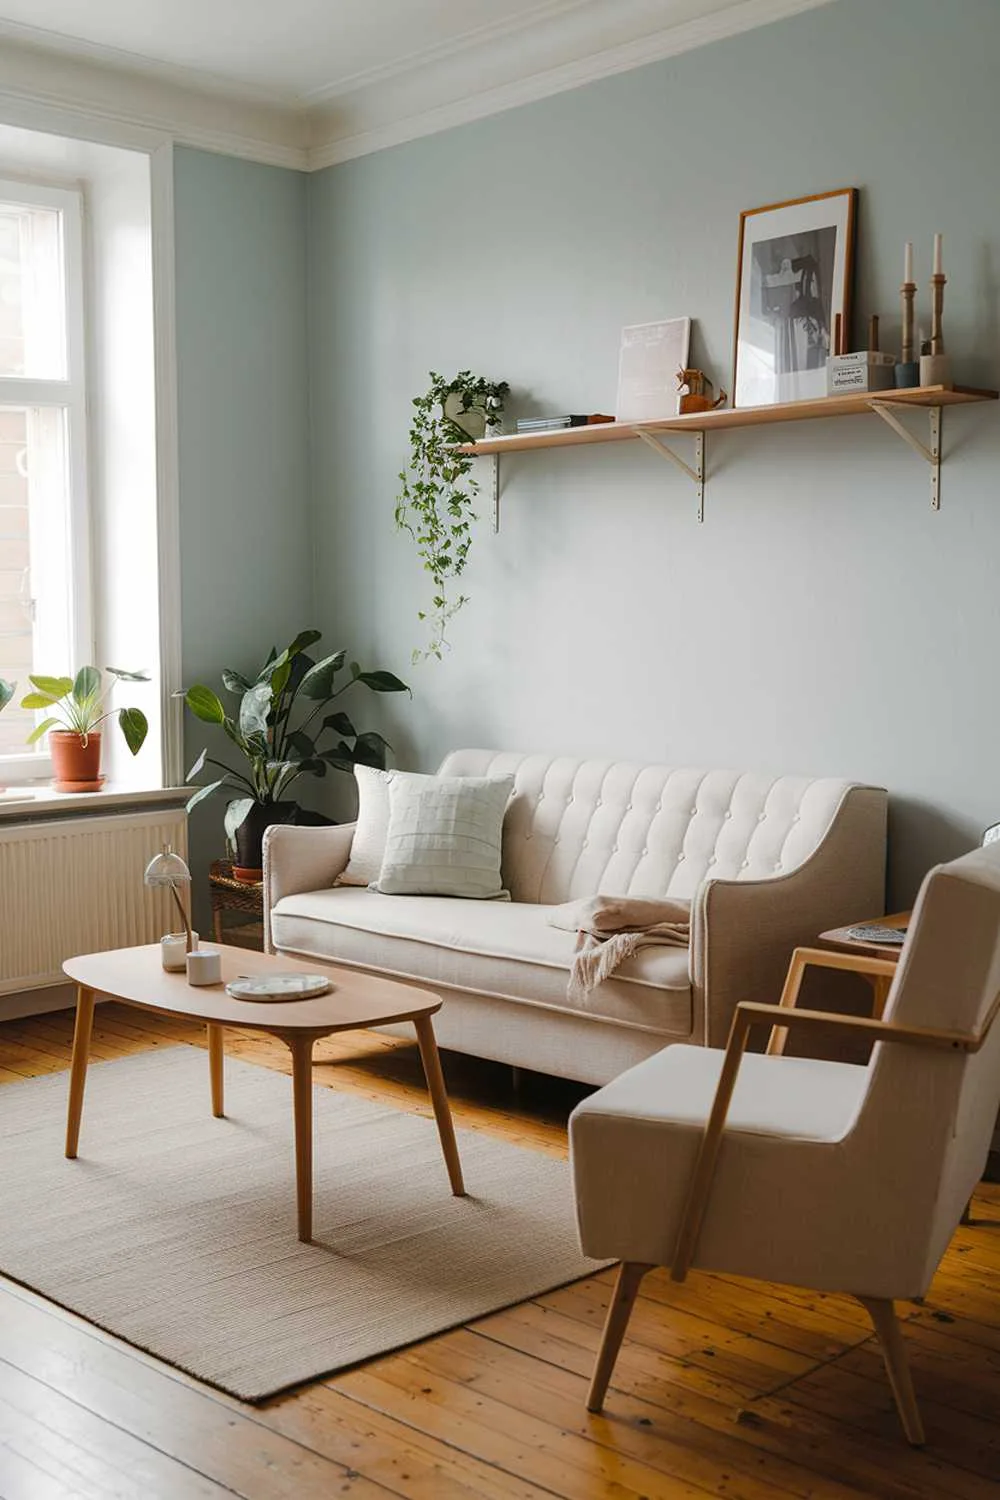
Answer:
(46, 803)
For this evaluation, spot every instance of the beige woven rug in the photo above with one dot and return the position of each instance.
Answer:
(176, 1231)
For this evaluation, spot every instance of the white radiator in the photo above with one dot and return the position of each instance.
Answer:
(75, 885)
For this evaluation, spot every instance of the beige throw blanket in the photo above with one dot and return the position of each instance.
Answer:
(610, 929)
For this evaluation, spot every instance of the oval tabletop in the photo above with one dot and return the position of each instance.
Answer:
(356, 999)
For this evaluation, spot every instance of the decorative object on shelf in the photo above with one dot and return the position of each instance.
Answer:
(168, 870)
(907, 371)
(794, 274)
(649, 358)
(553, 424)
(75, 708)
(277, 987)
(435, 503)
(864, 370)
(697, 391)
(935, 366)
(274, 730)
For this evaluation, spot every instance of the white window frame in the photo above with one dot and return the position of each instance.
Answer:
(69, 395)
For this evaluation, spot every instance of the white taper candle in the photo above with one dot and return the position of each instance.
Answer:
(938, 267)
(908, 261)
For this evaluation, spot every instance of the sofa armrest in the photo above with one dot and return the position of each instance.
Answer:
(743, 932)
(302, 859)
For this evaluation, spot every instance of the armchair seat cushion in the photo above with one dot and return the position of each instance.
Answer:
(504, 949)
(634, 1144)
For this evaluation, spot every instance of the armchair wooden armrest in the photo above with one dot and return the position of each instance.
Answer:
(749, 1014)
(824, 958)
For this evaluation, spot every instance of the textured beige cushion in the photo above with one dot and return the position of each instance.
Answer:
(368, 844)
(498, 948)
(444, 837)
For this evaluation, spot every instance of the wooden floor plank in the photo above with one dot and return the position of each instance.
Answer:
(724, 1387)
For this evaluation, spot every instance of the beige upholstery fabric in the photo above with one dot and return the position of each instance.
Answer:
(767, 861)
(830, 1175)
(491, 948)
(372, 824)
(444, 837)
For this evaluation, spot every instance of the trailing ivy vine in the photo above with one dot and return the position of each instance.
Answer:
(435, 503)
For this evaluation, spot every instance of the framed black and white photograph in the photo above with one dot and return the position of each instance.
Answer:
(793, 280)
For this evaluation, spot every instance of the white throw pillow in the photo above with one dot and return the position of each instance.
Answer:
(368, 844)
(444, 837)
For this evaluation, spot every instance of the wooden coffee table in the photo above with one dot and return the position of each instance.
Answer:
(136, 977)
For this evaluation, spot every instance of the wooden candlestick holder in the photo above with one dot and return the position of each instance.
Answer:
(908, 370)
(935, 367)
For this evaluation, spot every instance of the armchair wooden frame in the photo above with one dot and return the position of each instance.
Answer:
(781, 1018)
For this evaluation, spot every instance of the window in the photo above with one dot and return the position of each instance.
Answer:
(44, 551)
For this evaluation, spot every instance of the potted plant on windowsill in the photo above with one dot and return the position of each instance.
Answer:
(77, 708)
(283, 730)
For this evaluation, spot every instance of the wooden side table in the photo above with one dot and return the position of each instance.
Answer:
(238, 896)
(838, 938)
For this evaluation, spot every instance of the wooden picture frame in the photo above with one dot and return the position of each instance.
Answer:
(794, 274)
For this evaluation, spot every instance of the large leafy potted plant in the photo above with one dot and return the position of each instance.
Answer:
(282, 728)
(77, 706)
(435, 504)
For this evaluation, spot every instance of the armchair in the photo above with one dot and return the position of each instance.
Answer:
(827, 1175)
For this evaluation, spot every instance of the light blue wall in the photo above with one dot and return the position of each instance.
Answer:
(822, 620)
(243, 423)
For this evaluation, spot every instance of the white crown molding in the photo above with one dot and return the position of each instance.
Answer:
(41, 81)
(472, 83)
(557, 46)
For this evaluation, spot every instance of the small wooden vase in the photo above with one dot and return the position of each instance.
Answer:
(76, 763)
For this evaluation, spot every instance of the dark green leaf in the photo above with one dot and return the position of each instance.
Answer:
(370, 749)
(205, 704)
(235, 814)
(317, 684)
(382, 682)
(134, 727)
(303, 744)
(7, 691)
(340, 724)
(303, 639)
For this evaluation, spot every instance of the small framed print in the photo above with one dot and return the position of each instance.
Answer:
(793, 280)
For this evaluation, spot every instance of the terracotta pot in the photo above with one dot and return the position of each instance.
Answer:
(76, 763)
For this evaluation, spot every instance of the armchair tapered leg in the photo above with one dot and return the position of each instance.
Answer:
(630, 1274)
(897, 1365)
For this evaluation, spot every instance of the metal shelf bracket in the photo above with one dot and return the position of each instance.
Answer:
(931, 454)
(494, 459)
(697, 473)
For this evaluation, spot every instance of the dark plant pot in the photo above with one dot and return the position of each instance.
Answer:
(76, 764)
(250, 836)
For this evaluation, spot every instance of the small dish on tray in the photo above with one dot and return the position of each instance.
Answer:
(276, 987)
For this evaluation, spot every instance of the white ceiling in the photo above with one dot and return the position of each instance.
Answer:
(357, 74)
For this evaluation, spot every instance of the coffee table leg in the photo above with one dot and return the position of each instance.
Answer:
(439, 1098)
(301, 1049)
(78, 1068)
(216, 1069)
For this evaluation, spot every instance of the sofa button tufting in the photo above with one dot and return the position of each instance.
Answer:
(745, 865)
(728, 813)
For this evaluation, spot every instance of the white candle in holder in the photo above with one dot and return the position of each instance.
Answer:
(938, 267)
(174, 950)
(908, 261)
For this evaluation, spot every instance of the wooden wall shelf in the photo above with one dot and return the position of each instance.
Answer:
(885, 404)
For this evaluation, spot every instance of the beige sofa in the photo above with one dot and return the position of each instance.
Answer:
(768, 863)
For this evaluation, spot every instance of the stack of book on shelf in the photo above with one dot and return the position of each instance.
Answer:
(552, 424)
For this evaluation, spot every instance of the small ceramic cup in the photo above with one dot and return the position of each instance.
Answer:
(173, 950)
(204, 967)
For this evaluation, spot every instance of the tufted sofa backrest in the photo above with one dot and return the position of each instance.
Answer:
(578, 827)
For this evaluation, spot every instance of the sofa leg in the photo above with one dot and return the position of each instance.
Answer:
(630, 1275)
(897, 1366)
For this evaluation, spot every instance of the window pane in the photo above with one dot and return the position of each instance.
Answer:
(32, 293)
(35, 579)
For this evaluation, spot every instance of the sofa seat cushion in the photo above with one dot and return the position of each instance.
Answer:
(488, 947)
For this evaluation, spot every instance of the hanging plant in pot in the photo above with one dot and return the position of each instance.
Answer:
(283, 730)
(75, 709)
(435, 504)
